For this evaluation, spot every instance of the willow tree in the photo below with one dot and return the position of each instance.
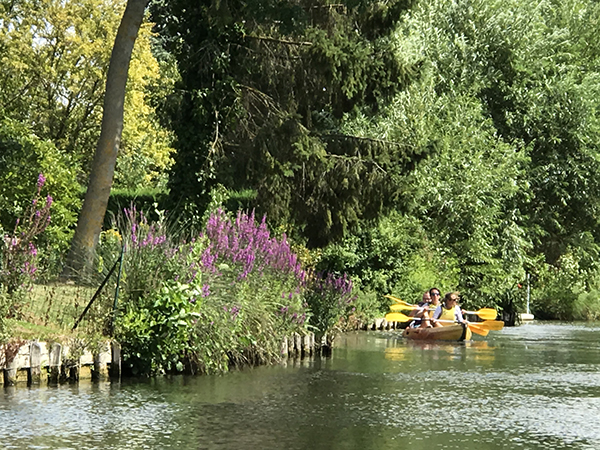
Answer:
(81, 256)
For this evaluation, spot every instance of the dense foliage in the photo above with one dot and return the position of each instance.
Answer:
(475, 120)
(264, 89)
(226, 297)
(55, 56)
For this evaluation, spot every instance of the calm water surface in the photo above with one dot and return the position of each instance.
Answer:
(531, 387)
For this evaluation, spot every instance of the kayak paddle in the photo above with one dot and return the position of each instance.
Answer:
(475, 328)
(485, 313)
(401, 307)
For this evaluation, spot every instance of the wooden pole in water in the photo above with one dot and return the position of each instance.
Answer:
(35, 362)
(115, 363)
(54, 363)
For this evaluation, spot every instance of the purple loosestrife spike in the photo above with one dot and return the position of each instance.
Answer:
(41, 181)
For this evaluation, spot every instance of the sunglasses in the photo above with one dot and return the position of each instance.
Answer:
(435, 293)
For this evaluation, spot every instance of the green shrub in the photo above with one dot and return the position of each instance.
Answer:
(22, 157)
(587, 306)
(557, 288)
(155, 334)
(329, 298)
(224, 298)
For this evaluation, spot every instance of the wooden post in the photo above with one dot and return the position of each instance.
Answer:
(297, 344)
(74, 373)
(10, 373)
(115, 363)
(305, 346)
(35, 364)
(284, 347)
(12, 364)
(96, 372)
(54, 364)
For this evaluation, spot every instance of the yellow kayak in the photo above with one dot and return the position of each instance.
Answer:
(448, 333)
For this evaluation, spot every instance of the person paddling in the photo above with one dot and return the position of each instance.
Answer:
(434, 295)
(431, 300)
(448, 311)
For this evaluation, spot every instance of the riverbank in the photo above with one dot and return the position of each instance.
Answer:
(36, 363)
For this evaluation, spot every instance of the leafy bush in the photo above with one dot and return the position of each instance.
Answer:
(22, 157)
(223, 298)
(557, 288)
(156, 334)
(329, 298)
(587, 306)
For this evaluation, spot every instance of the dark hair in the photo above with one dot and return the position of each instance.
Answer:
(434, 289)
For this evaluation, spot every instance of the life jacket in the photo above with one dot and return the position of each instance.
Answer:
(448, 314)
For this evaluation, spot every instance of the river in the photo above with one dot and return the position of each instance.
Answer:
(536, 386)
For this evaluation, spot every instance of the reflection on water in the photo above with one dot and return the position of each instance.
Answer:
(530, 387)
(404, 351)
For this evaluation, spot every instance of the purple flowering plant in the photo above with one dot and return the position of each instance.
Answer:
(149, 254)
(233, 291)
(255, 261)
(330, 298)
(248, 246)
(19, 252)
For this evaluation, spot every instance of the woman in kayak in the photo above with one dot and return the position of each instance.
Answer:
(448, 312)
(431, 300)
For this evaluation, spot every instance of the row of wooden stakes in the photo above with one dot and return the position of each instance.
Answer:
(35, 363)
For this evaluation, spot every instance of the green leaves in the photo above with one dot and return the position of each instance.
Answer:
(278, 85)
(55, 56)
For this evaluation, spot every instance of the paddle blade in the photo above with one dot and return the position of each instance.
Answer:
(397, 300)
(494, 325)
(475, 328)
(485, 313)
(398, 307)
(397, 317)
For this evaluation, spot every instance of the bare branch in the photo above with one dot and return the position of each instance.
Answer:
(279, 41)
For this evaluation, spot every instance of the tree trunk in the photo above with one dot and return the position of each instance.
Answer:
(80, 259)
